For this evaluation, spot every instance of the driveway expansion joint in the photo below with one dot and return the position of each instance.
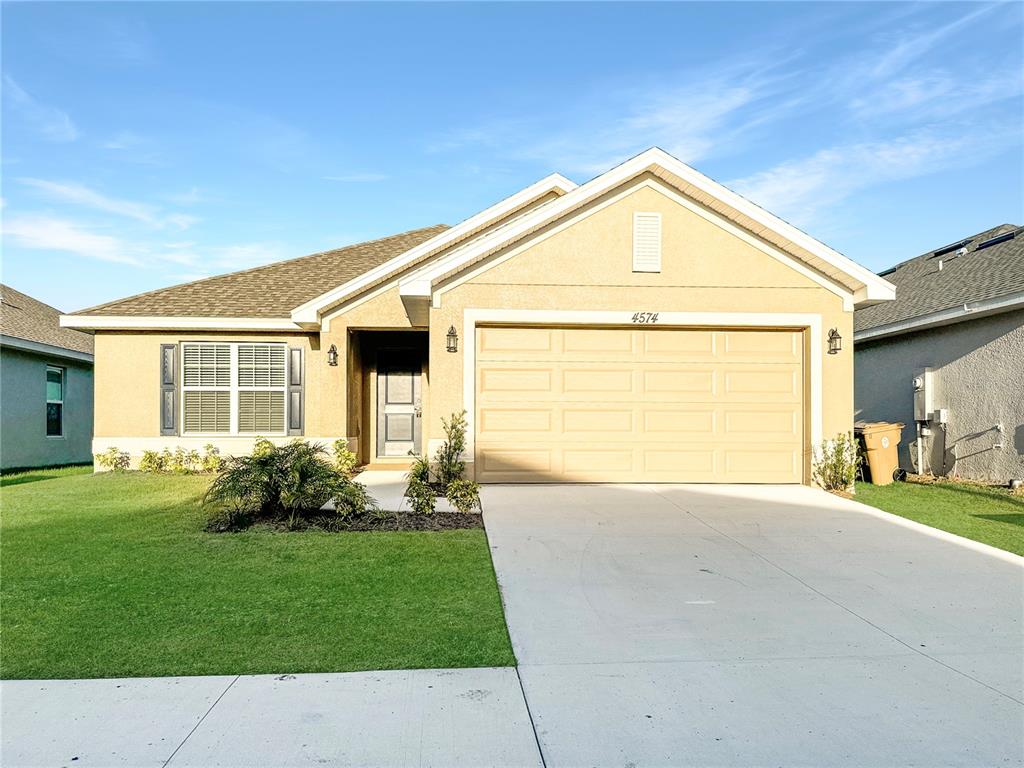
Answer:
(200, 722)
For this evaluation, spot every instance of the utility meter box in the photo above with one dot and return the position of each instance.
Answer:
(924, 387)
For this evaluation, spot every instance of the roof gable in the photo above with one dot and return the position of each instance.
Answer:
(862, 285)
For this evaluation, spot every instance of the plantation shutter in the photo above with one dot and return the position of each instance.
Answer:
(296, 396)
(168, 389)
(646, 242)
(206, 383)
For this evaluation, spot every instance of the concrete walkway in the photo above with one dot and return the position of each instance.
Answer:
(750, 626)
(466, 717)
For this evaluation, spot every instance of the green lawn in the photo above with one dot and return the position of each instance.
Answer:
(111, 575)
(989, 515)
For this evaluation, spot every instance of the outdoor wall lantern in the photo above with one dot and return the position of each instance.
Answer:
(332, 355)
(835, 342)
(453, 340)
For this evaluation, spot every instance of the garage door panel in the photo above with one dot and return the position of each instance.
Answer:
(761, 347)
(597, 420)
(616, 404)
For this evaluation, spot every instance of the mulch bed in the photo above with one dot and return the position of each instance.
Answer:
(384, 521)
(410, 521)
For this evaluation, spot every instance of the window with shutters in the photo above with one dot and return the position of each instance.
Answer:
(646, 242)
(233, 388)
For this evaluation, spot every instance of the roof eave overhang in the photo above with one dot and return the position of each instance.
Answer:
(49, 350)
(958, 314)
(161, 323)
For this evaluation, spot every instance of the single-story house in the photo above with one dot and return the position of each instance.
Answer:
(45, 386)
(947, 357)
(648, 325)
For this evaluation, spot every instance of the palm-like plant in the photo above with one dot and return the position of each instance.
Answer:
(286, 482)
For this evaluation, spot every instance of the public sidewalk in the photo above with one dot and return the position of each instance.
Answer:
(439, 717)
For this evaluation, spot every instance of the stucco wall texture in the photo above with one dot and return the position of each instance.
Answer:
(23, 440)
(979, 377)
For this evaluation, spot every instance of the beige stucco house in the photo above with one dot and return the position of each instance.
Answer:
(648, 325)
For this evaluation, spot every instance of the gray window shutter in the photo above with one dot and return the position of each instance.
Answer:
(168, 389)
(296, 397)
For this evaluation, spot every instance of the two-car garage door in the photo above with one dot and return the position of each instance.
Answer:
(632, 404)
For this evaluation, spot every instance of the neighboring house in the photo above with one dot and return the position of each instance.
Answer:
(959, 316)
(45, 386)
(649, 325)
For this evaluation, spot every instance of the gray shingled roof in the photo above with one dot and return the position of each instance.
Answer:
(273, 290)
(23, 317)
(983, 272)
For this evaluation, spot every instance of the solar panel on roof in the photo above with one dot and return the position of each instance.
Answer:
(997, 239)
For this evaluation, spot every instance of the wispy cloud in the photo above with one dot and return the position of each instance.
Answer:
(50, 233)
(691, 115)
(53, 124)
(906, 44)
(801, 189)
(357, 177)
(43, 232)
(79, 194)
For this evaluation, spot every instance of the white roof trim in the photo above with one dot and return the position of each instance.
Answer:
(309, 313)
(969, 311)
(131, 323)
(50, 350)
(866, 286)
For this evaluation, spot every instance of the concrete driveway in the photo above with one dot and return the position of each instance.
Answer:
(752, 625)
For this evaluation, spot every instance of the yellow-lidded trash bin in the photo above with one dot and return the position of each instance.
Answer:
(880, 441)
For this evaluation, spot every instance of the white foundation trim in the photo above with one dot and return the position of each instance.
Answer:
(799, 321)
(228, 446)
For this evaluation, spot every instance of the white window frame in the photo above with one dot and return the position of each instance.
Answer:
(233, 388)
(63, 392)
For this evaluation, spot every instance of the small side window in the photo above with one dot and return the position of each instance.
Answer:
(54, 401)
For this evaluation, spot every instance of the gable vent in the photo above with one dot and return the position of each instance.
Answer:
(646, 242)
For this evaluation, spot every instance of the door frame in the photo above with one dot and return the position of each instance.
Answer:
(809, 323)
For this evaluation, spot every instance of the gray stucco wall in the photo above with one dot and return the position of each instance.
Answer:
(979, 377)
(23, 440)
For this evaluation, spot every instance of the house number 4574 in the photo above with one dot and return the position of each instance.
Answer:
(645, 317)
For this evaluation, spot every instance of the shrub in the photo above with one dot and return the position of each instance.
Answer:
(288, 483)
(113, 459)
(420, 469)
(152, 461)
(184, 462)
(421, 496)
(344, 459)
(835, 463)
(463, 495)
(212, 461)
(448, 460)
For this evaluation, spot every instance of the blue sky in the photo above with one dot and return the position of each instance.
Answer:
(146, 144)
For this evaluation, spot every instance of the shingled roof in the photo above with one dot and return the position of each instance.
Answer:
(984, 266)
(271, 291)
(22, 317)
